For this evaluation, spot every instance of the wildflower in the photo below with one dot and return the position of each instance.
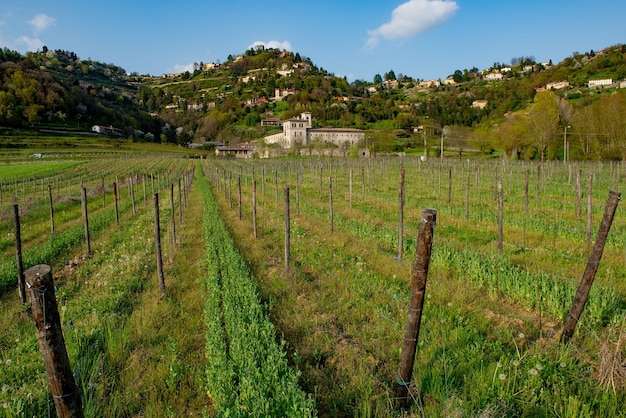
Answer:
(563, 364)
(533, 372)
(449, 303)
(5, 387)
(539, 367)
(515, 363)
(8, 362)
(521, 335)
(64, 308)
(498, 365)
(502, 376)
(5, 405)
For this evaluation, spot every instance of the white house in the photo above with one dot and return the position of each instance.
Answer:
(603, 82)
(300, 131)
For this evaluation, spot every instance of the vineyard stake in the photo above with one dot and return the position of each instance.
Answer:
(592, 268)
(400, 213)
(449, 184)
(173, 213)
(350, 188)
(467, 192)
(239, 192)
(578, 192)
(45, 312)
(104, 200)
(254, 229)
(589, 214)
(419, 274)
(180, 204)
(157, 243)
(51, 209)
(500, 215)
(131, 192)
(86, 219)
(18, 254)
(287, 229)
(117, 213)
(330, 199)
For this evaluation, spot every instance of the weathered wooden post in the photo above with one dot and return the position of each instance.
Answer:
(449, 185)
(350, 188)
(500, 215)
(239, 195)
(287, 230)
(180, 204)
(18, 254)
(589, 213)
(254, 227)
(419, 274)
(51, 208)
(45, 312)
(86, 219)
(131, 192)
(592, 268)
(401, 213)
(117, 213)
(104, 200)
(173, 213)
(330, 200)
(157, 243)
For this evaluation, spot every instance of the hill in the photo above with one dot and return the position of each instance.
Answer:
(225, 102)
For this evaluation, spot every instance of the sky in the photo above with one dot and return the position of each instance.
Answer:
(358, 39)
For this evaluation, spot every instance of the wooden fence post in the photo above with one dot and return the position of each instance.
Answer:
(330, 209)
(157, 243)
(589, 213)
(287, 230)
(500, 215)
(18, 254)
(401, 213)
(51, 342)
(117, 213)
(254, 227)
(86, 219)
(173, 207)
(592, 267)
(419, 274)
(51, 208)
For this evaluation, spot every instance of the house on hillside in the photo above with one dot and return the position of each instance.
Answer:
(603, 82)
(299, 131)
(243, 150)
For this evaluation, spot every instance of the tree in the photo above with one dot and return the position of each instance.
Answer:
(378, 79)
(390, 75)
(514, 134)
(544, 121)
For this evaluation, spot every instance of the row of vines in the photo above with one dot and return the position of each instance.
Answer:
(489, 343)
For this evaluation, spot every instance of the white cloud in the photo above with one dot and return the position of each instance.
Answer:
(41, 22)
(411, 18)
(273, 44)
(182, 68)
(32, 44)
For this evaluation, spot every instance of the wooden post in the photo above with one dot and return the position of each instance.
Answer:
(401, 214)
(298, 182)
(449, 185)
(467, 193)
(287, 230)
(419, 274)
(180, 204)
(157, 241)
(330, 200)
(578, 191)
(351, 188)
(86, 219)
(117, 213)
(173, 207)
(239, 193)
(18, 254)
(45, 312)
(500, 215)
(131, 192)
(254, 227)
(51, 208)
(589, 214)
(104, 200)
(592, 267)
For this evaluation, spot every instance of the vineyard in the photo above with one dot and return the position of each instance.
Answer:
(248, 322)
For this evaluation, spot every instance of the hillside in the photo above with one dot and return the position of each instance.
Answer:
(226, 102)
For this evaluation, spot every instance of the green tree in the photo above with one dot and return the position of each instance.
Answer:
(543, 115)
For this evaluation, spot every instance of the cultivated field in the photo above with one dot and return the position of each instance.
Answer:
(245, 327)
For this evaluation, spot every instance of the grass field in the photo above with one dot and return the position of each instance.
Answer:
(333, 322)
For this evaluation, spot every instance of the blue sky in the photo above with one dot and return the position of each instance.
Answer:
(425, 39)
